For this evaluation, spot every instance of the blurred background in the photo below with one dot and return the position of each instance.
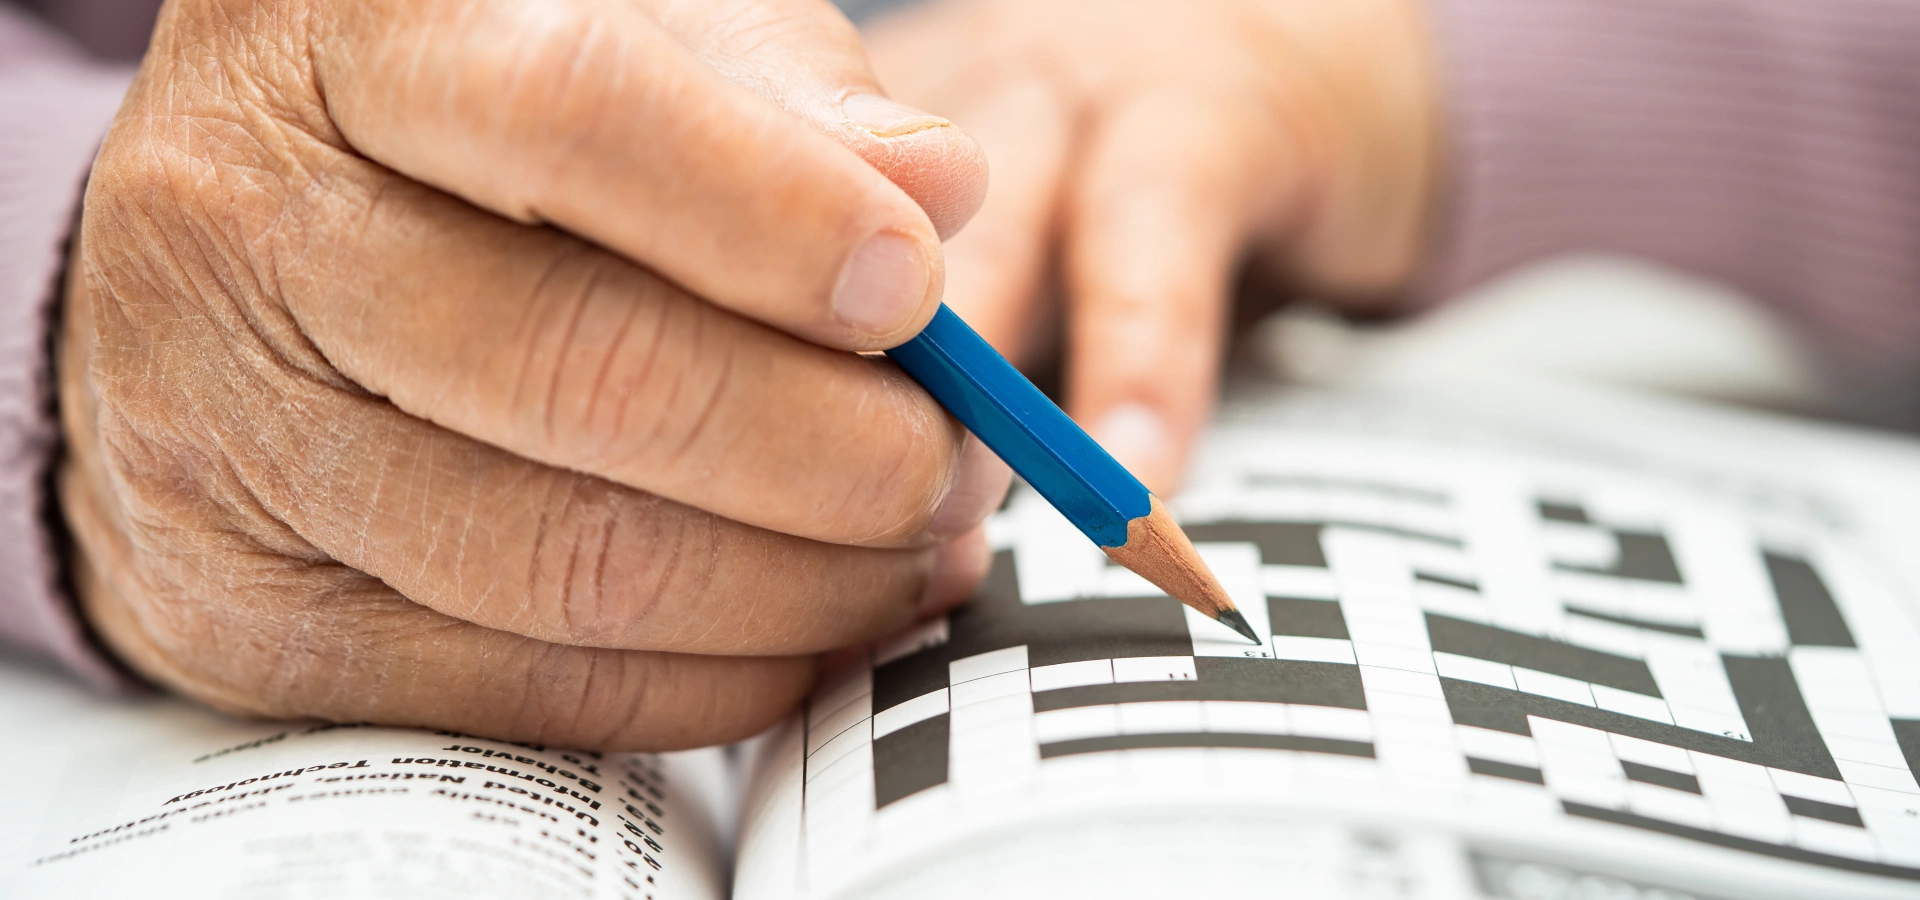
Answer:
(1595, 319)
(1610, 320)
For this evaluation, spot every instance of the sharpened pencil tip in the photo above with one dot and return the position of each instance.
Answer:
(1234, 620)
(1160, 552)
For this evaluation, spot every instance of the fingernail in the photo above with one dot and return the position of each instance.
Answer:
(884, 118)
(977, 490)
(1137, 437)
(959, 566)
(882, 286)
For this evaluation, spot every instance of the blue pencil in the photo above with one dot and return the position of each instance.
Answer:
(1088, 486)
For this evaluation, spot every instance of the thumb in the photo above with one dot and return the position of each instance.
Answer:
(804, 56)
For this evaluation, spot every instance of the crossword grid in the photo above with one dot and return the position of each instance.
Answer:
(1582, 676)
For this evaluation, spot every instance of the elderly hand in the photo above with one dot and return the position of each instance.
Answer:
(489, 365)
(1143, 150)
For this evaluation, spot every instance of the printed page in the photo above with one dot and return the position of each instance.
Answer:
(1527, 645)
(154, 798)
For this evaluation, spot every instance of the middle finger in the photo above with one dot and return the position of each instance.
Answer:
(479, 534)
(540, 344)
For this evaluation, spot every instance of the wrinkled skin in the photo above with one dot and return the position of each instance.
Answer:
(1143, 151)
(494, 366)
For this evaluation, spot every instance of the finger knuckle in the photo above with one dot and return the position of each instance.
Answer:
(587, 697)
(606, 562)
(267, 647)
(906, 474)
(624, 375)
(191, 244)
(543, 89)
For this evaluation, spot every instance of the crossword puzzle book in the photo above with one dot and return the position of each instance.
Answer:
(1527, 645)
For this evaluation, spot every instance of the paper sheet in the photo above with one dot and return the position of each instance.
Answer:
(154, 798)
(1520, 644)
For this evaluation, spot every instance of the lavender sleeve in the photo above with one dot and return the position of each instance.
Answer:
(54, 108)
(1773, 145)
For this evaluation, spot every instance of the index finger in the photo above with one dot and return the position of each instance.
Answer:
(806, 57)
(1171, 190)
(590, 116)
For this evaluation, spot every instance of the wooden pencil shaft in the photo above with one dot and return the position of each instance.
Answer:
(989, 396)
(1085, 483)
(1160, 552)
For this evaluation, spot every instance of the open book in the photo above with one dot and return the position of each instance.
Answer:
(1525, 645)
